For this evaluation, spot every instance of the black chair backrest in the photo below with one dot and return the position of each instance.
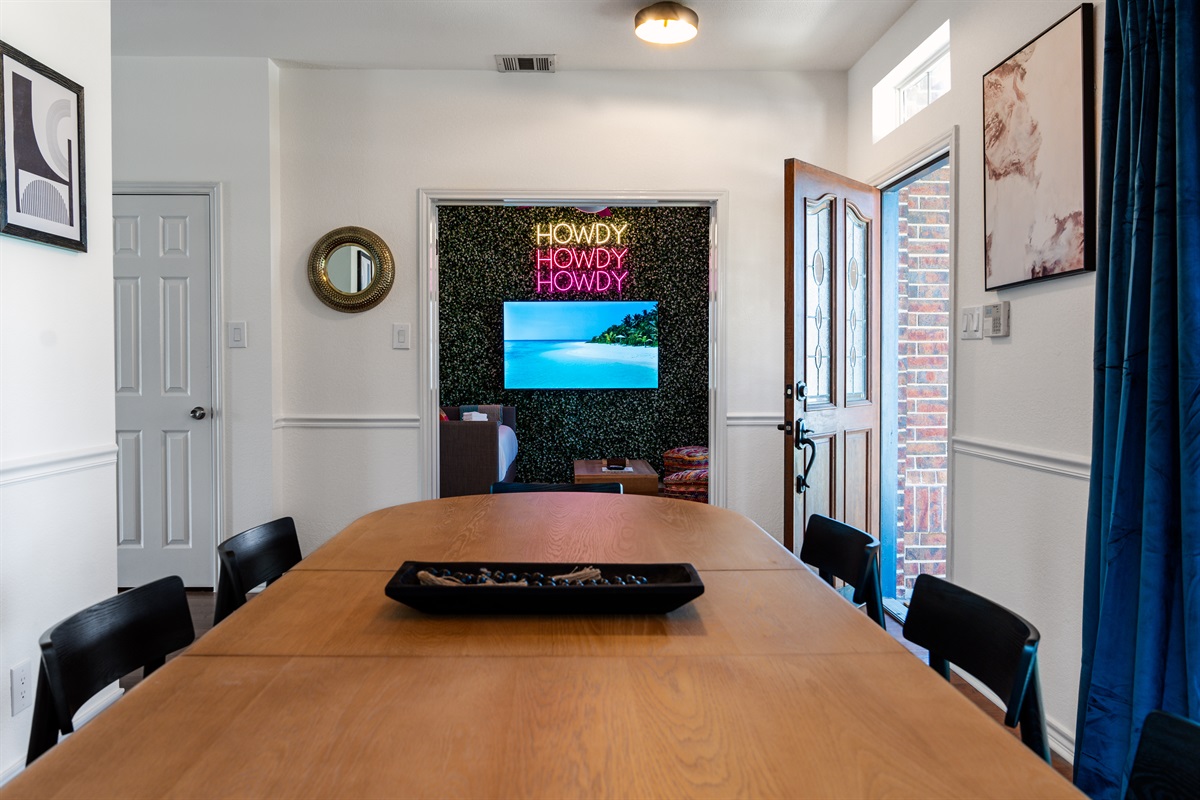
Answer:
(840, 551)
(259, 555)
(510, 488)
(89, 650)
(1167, 763)
(987, 640)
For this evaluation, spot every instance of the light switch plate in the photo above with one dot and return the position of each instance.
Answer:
(235, 334)
(401, 336)
(971, 323)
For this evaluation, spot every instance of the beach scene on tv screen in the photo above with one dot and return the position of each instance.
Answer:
(581, 344)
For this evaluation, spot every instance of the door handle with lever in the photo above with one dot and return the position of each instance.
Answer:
(803, 441)
(197, 413)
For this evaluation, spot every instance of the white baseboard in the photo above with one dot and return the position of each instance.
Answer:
(90, 709)
(97, 704)
(12, 771)
(1062, 743)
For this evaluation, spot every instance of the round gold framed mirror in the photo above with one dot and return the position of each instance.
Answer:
(351, 269)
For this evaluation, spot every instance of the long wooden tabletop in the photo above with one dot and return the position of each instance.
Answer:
(768, 685)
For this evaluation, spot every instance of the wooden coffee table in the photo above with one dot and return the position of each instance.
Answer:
(641, 480)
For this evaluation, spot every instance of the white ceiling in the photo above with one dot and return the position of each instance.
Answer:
(467, 34)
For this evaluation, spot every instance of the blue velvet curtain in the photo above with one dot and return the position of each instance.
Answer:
(1141, 636)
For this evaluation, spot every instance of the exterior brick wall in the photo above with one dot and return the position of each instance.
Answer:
(923, 369)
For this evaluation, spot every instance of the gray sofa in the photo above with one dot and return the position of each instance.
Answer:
(470, 454)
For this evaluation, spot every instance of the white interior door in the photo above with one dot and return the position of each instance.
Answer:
(162, 270)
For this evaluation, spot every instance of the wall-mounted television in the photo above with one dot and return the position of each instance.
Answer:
(581, 344)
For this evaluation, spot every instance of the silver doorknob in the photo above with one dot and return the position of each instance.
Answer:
(197, 412)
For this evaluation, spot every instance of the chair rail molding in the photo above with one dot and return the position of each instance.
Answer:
(1067, 464)
(21, 470)
(753, 419)
(372, 422)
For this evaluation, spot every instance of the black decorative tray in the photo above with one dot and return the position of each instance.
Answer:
(661, 588)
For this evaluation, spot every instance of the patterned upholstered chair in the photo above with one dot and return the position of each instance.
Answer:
(686, 471)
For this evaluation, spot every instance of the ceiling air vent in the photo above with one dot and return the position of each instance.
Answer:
(526, 63)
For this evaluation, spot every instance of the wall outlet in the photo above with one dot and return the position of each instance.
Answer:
(22, 687)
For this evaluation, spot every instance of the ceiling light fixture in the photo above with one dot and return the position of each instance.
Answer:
(666, 23)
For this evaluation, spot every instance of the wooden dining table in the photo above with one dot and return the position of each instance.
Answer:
(767, 685)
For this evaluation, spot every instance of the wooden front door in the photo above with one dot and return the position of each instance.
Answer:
(831, 350)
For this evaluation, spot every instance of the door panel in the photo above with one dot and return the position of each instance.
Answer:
(857, 479)
(130, 505)
(831, 349)
(166, 522)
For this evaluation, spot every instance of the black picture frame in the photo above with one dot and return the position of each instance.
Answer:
(43, 193)
(1039, 163)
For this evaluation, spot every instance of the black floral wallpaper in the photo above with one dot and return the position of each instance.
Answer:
(486, 255)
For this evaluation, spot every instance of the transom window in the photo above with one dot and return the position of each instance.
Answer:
(928, 84)
(922, 77)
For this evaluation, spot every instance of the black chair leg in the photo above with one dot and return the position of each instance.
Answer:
(1032, 718)
(226, 601)
(874, 591)
(940, 665)
(44, 733)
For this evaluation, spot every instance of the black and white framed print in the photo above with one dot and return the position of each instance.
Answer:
(42, 193)
(1038, 157)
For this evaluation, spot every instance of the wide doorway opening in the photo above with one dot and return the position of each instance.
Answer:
(916, 380)
(492, 261)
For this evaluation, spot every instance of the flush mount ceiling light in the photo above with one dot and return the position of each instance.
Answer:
(666, 23)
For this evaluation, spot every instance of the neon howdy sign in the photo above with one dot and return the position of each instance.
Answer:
(580, 258)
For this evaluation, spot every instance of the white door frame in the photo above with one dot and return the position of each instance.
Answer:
(944, 145)
(216, 401)
(427, 203)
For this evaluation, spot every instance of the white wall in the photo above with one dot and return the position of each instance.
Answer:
(57, 453)
(356, 147)
(1022, 404)
(210, 120)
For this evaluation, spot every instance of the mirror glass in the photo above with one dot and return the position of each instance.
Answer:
(350, 269)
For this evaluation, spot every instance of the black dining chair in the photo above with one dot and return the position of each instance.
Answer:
(259, 555)
(838, 550)
(1166, 765)
(988, 641)
(101, 644)
(511, 488)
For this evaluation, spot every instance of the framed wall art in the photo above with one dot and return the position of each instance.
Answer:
(42, 193)
(1039, 157)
